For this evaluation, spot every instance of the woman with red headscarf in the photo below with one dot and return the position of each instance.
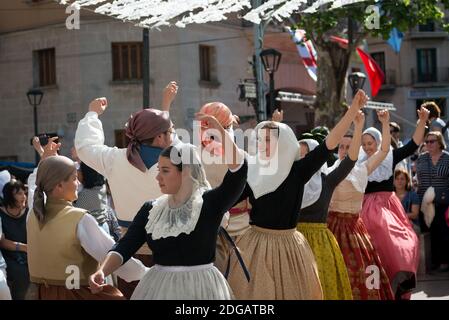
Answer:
(216, 168)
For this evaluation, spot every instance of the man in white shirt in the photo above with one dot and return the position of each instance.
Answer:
(131, 172)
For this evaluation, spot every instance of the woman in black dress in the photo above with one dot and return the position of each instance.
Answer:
(181, 226)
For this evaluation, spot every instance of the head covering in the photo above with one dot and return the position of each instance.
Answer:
(221, 112)
(143, 125)
(312, 189)
(224, 115)
(5, 177)
(164, 221)
(385, 170)
(50, 172)
(265, 176)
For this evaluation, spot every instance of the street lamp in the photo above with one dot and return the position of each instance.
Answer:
(35, 98)
(271, 59)
(356, 81)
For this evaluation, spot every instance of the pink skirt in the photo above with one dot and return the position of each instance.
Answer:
(393, 237)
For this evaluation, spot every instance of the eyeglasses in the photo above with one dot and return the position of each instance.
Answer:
(430, 141)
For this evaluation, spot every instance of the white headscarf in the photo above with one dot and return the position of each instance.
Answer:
(385, 170)
(265, 176)
(312, 189)
(5, 177)
(164, 221)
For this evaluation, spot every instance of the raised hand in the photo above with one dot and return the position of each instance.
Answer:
(360, 100)
(168, 95)
(51, 148)
(423, 114)
(208, 121)
(98, 105)
(383, 116)
(277, 116)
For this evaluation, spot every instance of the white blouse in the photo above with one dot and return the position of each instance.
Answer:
(95, 241)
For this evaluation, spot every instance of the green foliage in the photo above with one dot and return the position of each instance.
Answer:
(400, 14)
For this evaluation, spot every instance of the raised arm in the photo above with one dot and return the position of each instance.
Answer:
(342, 126)
(50, 149)
(423, 115)
(354, 148)
(168, 95)
(345, 167)
(376, 159)
(89, 139)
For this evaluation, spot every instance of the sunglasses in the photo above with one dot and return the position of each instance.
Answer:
(430, 141)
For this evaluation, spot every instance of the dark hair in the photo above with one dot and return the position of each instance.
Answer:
(167, 152)
(91, 178)
(348, 135)
(394, 127)
(9, 190)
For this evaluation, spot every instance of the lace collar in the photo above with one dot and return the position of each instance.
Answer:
(164, 222)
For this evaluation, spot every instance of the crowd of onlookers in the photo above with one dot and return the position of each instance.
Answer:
(427, 208)
(429, 167)
(93, 195)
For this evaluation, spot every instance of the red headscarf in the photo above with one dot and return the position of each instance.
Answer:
(144, 125)
(224, 115)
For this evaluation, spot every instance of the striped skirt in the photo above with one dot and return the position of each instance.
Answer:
(367, 276)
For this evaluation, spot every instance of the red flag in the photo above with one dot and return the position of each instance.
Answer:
(375, 74)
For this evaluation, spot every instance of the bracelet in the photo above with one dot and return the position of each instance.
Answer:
(17, 246)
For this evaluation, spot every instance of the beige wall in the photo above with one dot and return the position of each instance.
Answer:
(84, 71)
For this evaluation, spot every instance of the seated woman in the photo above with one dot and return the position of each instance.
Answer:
(13, 242)
(65, 244)
(409, 198)
(181, 226)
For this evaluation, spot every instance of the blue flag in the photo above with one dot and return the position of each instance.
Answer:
(395, 40)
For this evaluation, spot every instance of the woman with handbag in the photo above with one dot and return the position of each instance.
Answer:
(433, 171)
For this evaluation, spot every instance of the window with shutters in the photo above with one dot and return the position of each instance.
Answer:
(427, 65)
(208, 65)
(127, 61)
(44, 67)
